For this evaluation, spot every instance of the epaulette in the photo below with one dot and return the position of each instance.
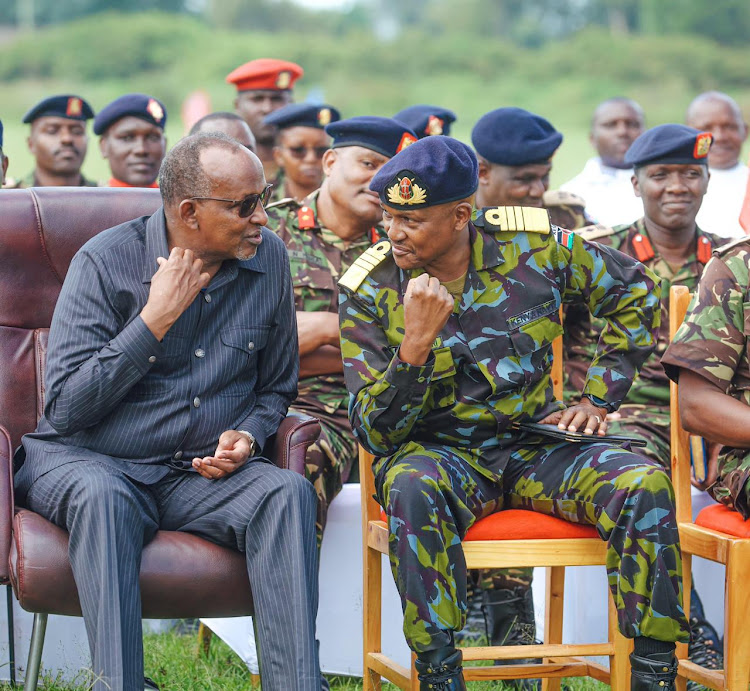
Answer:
(561, 197)
(364, 264)
(515, 219)
(719, 251)
(595, 231)
(280, 203)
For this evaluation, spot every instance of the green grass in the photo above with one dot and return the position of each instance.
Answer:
(172, 660)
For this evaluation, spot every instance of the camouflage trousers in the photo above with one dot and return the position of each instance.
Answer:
(329, 460)
(649, 423)
(432, 494)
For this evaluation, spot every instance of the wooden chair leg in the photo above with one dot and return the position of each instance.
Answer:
(553, 616)
(414, 679)
(372, 605)
(687, 581)
(737, 614)
(36, 646)
(204, 639)
(619, 664)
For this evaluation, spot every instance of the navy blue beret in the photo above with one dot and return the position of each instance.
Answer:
(669, 144)
(67, 106)
(382, 135)
(140, 105)
(514, 137)
(434, 170)
(303, 115)
(426, 120)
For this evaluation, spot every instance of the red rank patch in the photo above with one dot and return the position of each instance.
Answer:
(643, 249)
(305, 218)
(704, 250)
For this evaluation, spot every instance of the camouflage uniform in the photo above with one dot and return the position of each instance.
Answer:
(446, 455)
(30, 181)
(713, 342)
(278, 193)
(645, 412)
(318, 258)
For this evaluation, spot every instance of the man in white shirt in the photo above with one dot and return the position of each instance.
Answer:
(719, 114)
(604, 181)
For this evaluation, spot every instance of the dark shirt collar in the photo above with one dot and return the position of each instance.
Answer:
(156, 246)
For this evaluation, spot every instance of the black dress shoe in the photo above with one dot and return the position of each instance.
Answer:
(149, 685)
(656, 672)
(440, 670)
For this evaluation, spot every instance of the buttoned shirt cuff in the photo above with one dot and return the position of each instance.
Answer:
(606, 388)
(407, 377)
(142, 348)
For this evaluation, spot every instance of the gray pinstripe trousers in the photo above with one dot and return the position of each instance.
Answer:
(263, 511)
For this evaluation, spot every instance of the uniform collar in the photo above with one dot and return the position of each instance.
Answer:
(644, 250)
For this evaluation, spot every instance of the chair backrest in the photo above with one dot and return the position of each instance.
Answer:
(40, 231)
(679, 299)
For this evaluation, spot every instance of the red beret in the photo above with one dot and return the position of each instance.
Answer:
(265, 73)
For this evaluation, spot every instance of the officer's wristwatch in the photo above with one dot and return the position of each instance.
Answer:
(599, 403)
(251, 439)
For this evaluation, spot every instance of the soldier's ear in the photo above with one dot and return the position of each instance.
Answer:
(462, 213)
(104, 146)
(484, 171)
(329, 159)
(277, 157)
(636, 184)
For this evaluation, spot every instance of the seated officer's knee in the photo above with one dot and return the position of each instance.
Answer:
(411, 482)
(650, 477)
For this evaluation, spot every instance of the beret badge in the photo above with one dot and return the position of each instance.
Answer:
(434, 126)
(284, 79)
(406, 140)
(155, 110)
(405, 191)
(75, 107)
(702, 145)
(324, 116)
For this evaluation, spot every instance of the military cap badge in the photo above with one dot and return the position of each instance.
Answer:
(284, 79)
(74, 107)
(406, 140)
(434, 126)
(324, 116)
(702, 145)
(155, 110)
(406, 191)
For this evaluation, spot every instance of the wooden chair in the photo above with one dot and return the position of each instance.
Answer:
(718, 534)
(495, 542)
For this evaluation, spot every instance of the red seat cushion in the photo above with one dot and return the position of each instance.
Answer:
(725, 520)
(518, 524)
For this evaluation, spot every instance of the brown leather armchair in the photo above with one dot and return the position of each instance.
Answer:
(40, 231)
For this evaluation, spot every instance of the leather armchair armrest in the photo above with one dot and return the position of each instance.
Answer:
(288, 447)
(6, 502)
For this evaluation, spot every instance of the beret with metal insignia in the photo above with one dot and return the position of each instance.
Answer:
(303, 115)
(66, 106)
(515, 137)
(139, 105)
(427, 120)
(670, 143)
(265, 73)
(382, 135)
(434, 170)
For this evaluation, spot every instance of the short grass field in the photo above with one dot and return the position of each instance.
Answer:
(172, 661)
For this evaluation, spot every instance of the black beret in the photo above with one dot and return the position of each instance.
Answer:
(669, 144)
(514, 137)
(434, 170)
(140, 105)
(303, 115)
(67, 106)
(382, 135)
(426, 120)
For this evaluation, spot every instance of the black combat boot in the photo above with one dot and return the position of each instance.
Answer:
(440, 670)
(656, 672)
(705, 648)
(510, 621)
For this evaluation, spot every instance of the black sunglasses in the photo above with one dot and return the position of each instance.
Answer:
(246, 205)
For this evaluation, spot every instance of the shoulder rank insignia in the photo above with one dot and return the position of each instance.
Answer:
(561, 197)
(744, 240)
(564, 237)
(513, 219)
(305, 218)
(595, 231)
(364, 264)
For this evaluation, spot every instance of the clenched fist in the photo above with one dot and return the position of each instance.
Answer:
(174, 286)
(427, 306)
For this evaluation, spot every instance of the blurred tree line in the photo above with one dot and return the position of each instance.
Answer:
(529, 23)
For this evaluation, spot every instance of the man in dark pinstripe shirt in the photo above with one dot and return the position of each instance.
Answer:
(172, 359)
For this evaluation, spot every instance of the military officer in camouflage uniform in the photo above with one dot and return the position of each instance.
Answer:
(446, 335)
(324, 235)
(301, 142)
(58, 142)
(709, 355)
(671, 179)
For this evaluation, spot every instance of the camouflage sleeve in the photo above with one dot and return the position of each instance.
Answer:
(712, 338)
(626, 294)
(386, 395)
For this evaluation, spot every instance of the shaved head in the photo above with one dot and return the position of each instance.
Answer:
(719, 114)
(617, 101)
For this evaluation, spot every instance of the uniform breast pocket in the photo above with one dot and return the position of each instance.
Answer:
(442, 392)
(241, 348)
(532, 343)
